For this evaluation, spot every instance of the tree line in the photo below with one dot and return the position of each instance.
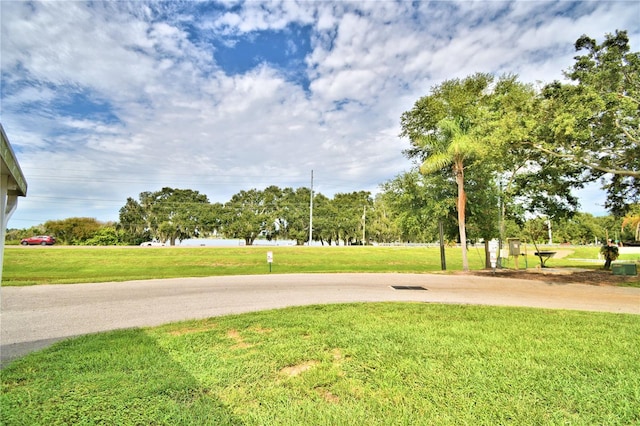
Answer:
(405, 211)
(492, 157)
(272, 213)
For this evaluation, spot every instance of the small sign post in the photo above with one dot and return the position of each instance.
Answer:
(269, 259)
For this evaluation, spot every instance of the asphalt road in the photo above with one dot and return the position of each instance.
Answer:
(34, 317)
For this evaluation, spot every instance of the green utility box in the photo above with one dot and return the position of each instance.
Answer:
(624, 269)
(514, 246)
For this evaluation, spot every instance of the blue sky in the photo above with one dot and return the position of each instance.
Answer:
(104, 100)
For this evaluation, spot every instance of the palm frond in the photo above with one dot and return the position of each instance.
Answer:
(632, 221)
(436, 162)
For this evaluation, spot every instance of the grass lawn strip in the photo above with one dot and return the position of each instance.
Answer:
(379, 363)
(68, 265)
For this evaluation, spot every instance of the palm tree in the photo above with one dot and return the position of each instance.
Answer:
(452, 145)
(632, 221)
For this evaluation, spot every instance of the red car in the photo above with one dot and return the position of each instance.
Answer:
(43, 240)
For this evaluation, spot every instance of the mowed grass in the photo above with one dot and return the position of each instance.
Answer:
(345, 364)
(62, 265)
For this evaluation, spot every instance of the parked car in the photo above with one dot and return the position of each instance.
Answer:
(43, 240)
(152, 244)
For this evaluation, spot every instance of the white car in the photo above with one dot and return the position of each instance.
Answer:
(151, 244)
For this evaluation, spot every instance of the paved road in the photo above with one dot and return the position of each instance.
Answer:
(34, 317)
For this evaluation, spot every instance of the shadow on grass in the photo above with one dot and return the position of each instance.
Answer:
(13, 351)
(90, 382)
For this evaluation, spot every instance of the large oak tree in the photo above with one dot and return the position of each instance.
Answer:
(594, 121)
(166, 215)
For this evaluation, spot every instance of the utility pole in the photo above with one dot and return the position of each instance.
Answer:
(311, 211)
(364, 224)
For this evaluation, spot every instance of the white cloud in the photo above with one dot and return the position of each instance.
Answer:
(259, 16)
(183, 121)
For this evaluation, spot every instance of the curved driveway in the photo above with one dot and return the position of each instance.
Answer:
(34, 317)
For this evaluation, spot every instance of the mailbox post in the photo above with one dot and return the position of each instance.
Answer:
(493, 254)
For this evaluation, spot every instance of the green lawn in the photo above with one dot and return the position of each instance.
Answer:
(48, 265)
(40, 265)
(352, 364)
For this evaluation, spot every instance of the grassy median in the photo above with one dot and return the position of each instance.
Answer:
(352, 364)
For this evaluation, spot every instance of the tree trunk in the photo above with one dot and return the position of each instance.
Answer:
(462, 204)
(487, 255)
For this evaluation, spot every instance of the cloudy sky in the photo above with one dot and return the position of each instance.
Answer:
(104, 100)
